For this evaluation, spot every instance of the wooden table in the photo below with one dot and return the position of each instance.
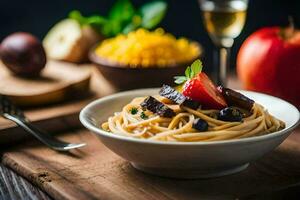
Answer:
(13, 186)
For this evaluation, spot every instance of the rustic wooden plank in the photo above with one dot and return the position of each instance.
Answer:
(13, 186)
(289, 193)
(94, 172)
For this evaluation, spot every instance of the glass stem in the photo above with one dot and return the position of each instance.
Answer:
(224, 54)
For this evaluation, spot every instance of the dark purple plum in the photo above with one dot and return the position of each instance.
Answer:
(23, 54)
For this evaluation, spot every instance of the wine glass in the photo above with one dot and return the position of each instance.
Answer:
(224, 21)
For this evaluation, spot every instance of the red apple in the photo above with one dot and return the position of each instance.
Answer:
(269, 62)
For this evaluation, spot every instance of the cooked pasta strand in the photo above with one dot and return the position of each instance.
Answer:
(180, 127)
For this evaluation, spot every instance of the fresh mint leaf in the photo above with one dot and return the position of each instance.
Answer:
(188, 72)
(196, 67)
(192, 73)
(180, 79)
(152, 13)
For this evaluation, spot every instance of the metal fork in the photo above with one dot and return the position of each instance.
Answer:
(11, 112)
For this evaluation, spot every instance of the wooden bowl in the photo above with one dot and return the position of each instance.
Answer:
(123, 77)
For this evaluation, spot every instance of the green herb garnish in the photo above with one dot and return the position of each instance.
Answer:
(190, 72)
(133, 111)
(152, 13)
(143, 116)
(123, 17)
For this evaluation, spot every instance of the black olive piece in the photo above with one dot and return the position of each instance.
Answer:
(171, 94)
(157, 107)
(230, 114)
(178, 98)
(200, 124)
(234, 98)
(245, 113)
(191, 104)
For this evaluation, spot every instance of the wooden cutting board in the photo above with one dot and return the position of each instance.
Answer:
(94, 172)
(57, 82)
(52, 117)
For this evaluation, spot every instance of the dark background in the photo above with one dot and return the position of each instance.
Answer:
(183, 17)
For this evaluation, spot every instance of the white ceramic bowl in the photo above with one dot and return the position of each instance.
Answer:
(188, 159)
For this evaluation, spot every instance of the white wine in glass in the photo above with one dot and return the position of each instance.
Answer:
(224, 21)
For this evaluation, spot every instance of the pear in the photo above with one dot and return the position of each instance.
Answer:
(69, 41)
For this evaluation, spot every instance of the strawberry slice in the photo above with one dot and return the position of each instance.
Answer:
(201, 88)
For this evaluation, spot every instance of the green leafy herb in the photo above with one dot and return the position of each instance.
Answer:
(76, 15)
(133, 111)
(190, 72)
(124, 18)
(120, 15)
(152, 13)
(143, 115)
(95, 21)
(133, 25)
(196, 67)
(180, 79)
(187, 72)
(122, 10)
(92, 20)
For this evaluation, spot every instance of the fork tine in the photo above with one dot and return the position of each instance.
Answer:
(71, 146)
(2, 104)
(6, 106)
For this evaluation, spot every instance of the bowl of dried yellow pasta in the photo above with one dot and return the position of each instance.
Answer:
(185, 158)
(142, 59)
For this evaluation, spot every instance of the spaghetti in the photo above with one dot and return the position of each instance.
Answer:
(148, 125)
